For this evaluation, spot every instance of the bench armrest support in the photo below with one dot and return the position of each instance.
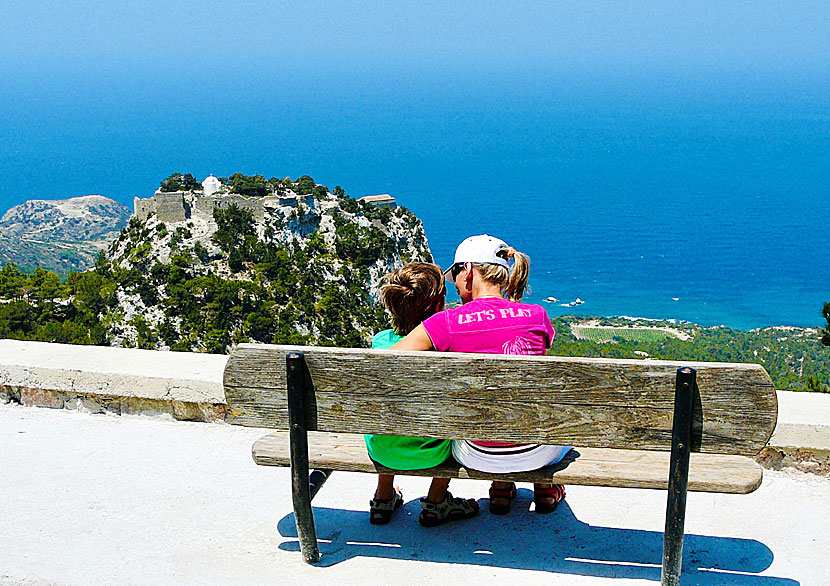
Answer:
(300, 489)
(684, 392)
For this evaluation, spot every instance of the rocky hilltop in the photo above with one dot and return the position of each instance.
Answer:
(197, 272)
(198, 269)
(60, 235)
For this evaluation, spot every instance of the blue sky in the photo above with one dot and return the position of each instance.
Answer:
(361, 38)
(112, 96)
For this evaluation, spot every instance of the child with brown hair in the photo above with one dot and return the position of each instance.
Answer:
(411, 294)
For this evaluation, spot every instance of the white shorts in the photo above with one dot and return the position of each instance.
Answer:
(506, 459)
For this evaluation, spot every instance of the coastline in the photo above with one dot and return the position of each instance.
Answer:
(669, 323)
(794, 357)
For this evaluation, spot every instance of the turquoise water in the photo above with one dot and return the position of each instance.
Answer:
(660, 198)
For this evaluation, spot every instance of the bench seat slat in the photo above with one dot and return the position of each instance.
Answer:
(575, 401)
(593, 466)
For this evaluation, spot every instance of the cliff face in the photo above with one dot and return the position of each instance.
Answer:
(198, 272)
(60, 235)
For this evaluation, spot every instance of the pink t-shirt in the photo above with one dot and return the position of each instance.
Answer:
(491, 325)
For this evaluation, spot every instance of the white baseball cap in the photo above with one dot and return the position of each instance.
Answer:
(480, 249)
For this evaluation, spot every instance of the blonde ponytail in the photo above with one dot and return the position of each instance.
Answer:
(512, 283)
(517, 283)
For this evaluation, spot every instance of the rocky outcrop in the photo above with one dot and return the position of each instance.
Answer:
(200, 272)
(60, 235)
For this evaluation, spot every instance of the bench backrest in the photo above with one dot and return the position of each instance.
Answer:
(587, 402)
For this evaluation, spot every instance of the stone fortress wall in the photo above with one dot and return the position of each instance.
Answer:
(179, 206)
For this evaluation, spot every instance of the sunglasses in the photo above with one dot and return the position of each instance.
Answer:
(456, 269)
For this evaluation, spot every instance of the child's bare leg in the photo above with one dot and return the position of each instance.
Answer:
(387, 500)
(386, 487)
(438, 490)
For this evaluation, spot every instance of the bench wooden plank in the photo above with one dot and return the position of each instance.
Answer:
(556, 400)
(592, 466)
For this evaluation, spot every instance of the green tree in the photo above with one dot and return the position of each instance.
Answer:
(254, 185)
(92, 292)
(201, 252)
(145, 336)
(44, 285)
(172, 183)
(825, 333)
(814, 385)
(304, 185)
(12, 282)
(179, 182)
(17, 320)
(190, 183)
(236, 235)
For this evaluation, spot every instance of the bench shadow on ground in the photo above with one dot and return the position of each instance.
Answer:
(558, 543)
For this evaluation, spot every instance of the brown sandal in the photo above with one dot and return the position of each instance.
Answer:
(508, 494)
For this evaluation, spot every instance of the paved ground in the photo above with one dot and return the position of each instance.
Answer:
(97, 499)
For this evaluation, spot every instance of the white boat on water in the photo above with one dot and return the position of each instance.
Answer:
(551, 299)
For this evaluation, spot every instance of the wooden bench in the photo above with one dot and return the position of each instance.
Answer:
(635, 423)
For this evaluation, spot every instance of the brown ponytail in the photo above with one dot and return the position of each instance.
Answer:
(411, 294)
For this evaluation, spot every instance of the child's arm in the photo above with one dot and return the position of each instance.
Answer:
(417, 339)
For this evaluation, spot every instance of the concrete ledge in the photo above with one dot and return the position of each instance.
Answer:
(801, 438)
(117, 380)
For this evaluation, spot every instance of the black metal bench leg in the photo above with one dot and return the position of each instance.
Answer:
(300, 486)
(678, 477)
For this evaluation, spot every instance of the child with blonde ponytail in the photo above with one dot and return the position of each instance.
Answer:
(491, 278)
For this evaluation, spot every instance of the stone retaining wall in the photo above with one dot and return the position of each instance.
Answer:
(188, 386)
(802, 437)
(113, 380)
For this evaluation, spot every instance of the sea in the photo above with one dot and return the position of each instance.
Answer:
(704, 200)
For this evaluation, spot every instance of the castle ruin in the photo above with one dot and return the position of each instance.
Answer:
(179, 206)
